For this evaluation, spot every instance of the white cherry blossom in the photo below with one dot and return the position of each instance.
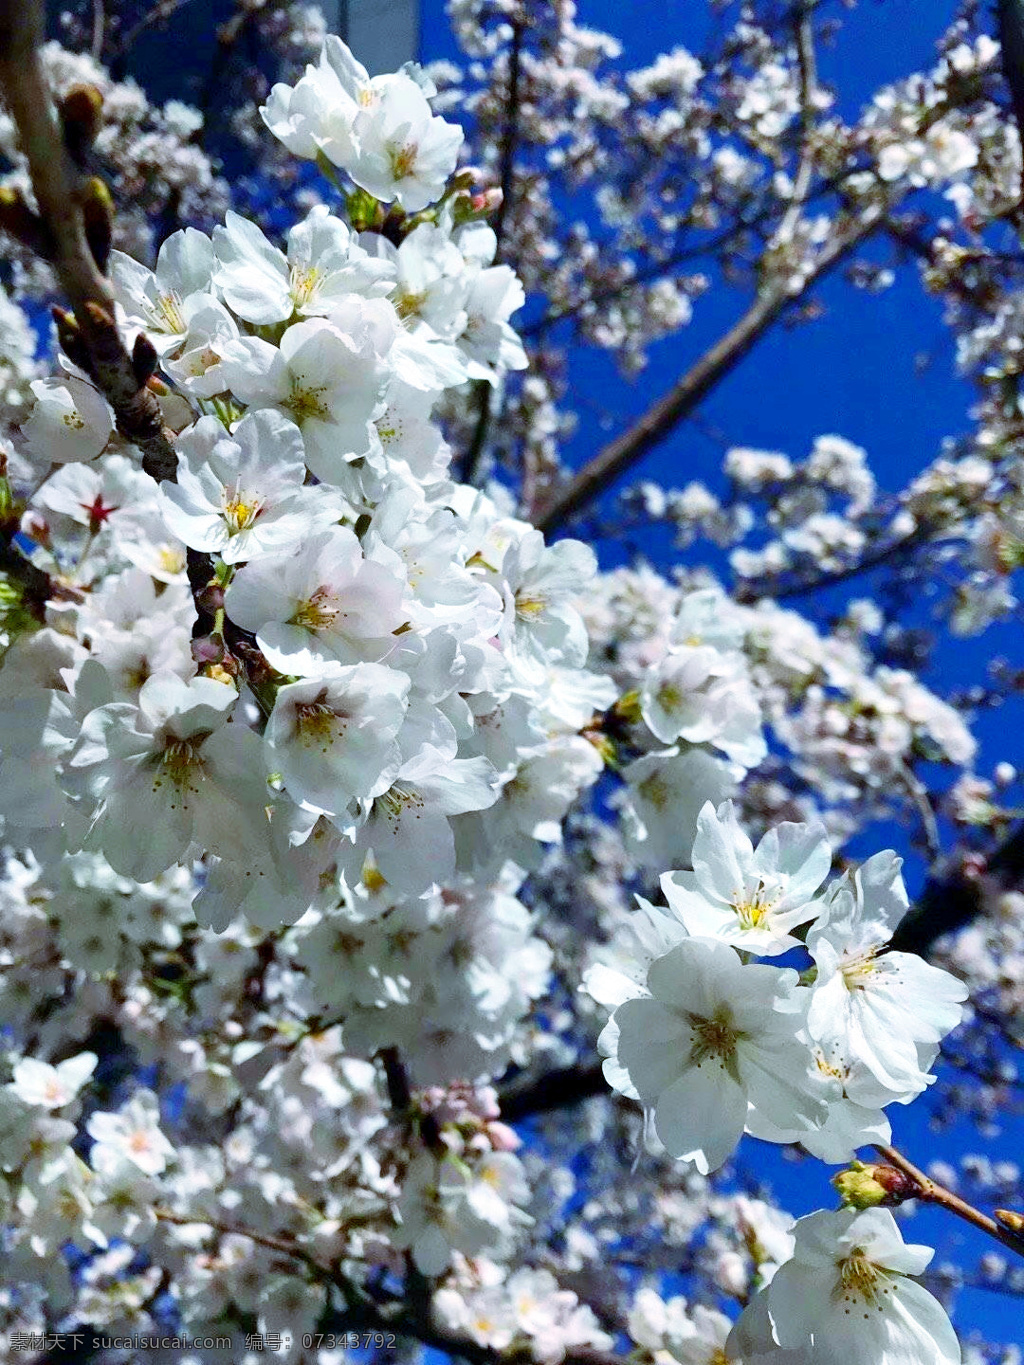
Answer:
(324, 265)
(169, 775)
(52, 1087)
(242, 495)
(712, 1036)
(324, 603)
(69, 422)
(749, 897)
(886, 1011)
(132, 1134)
(847, 1294)
(333, 737)
(327, 376)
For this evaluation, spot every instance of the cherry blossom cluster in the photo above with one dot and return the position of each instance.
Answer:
(714, 1043)
(751, 1046)
(418, 651)
(853, 730)
(288, 774)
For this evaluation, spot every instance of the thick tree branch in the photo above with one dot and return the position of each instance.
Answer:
(1010, 31)
(560, 1089)
(661, 419)
(955, 895)
(58, 187)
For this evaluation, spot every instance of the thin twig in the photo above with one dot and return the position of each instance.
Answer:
(283, 1245)
(799, 585)
(509, 139)
(808, 67)
(56, 184)
(99, 24)
(661, 419)
(229, 35)
(931, 1192)
(484, 397)
(929, 825)
(159, 13)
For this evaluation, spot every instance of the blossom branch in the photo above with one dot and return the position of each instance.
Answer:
(808, 66)
(956, 894)
(930, 1191)
(799, 585)
(661, 419)
(361, 1312)
(58, 189)
(952, 897)
(509, 141)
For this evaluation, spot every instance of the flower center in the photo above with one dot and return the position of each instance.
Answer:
(318, 612)
(529, 607)
(409, 305)
(669, 697)
(654, 790)
(715, 1038)
(753, 906)
(198, 362)
(181, 763)
(166, 312)
(171, 559)
(858, 972)
(835, 1070)
(318, 724)
(396, 800)
(402, 160)
(860, 1281)
(240, 513)
(372, 879)
(305, 401)
(303, 283)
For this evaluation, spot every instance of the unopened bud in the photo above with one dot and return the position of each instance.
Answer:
(7, 505)
(466, 178)
(864, 1186)
(24, 223)
(98, 217)
(604, 745)
(144, 359)
(503, 1138)
(211, 599)
(1011, 1222)
(208, 649)
(72, 343)
(81, 114)
(35, 526)
(470, 208)
(364, 212)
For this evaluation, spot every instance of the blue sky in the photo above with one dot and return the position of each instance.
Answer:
(858, 372)
(879, 370)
